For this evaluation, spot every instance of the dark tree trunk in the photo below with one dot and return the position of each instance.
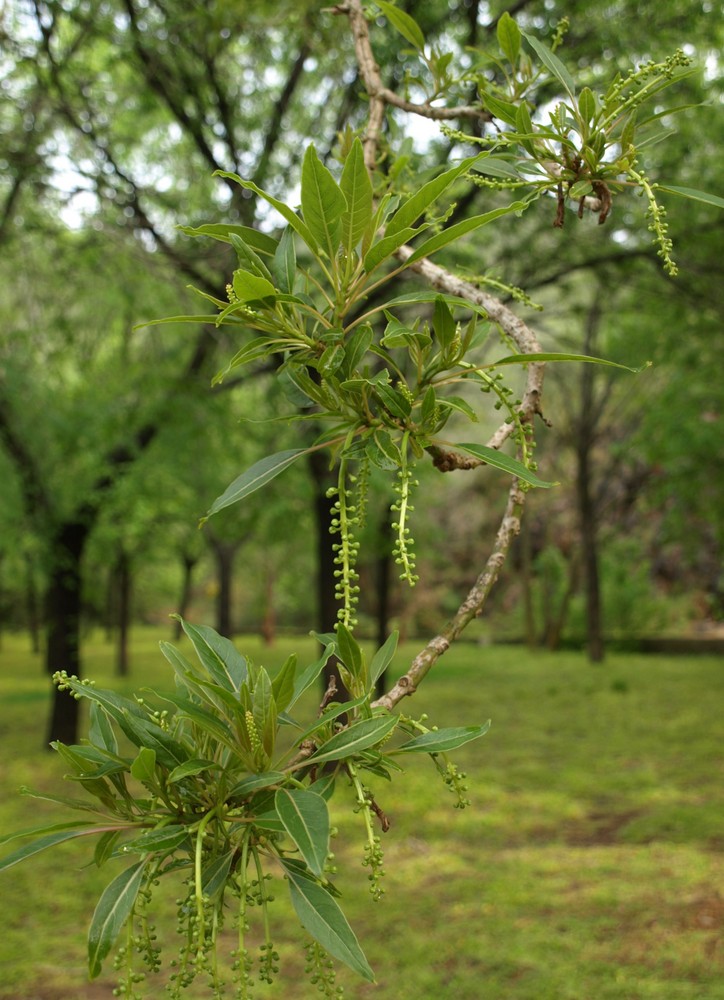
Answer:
(587, 513)
(556, 617)
(526, 579)
(189, 562)
(224, 553)
(63, 608)
(123, 603)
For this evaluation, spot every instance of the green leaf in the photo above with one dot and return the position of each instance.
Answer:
(258, 475)
(225, 665)
(355, 349)
(64, 831)
(383, 657)
(524, 359)
(113, 909)
(191, 767)
(441, 740)
(144, 766)
(497, 166)
(105, 846)
(587, 105)
(215, 874)
(254, 782)
(384, 248)
(100, 732)
(284, 266)
(264, 711)
(261, 242)
(350, 651)
(309, 676)
(306, 819)
(283, 683)
(443, 323)
(703, 196)
(321, 917)
(358, 737)
(508, 34)
(428, 194)
(166, 838)
(453, 233)
(323, 203)
(356, 187)
(259, 347)
(501, 461)
(250, 287)
(284, 210)
(248, 258)
(551, 61)
(406, 25)
(503, 110)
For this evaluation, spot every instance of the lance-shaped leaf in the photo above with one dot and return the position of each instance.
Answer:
(508, 34)
(192, 767)
(283, 683)
(323, 203)
(101, 732)
(356, 738)
(385, 247)
(284, 265)
(524, 359)
(441, 740)
(453, 233)
(261, 473)
(350, 651)
(553, 63)
(382, 658)
(63, 831)
(222, 231)
(306, 819)
(309, 676)
(165, 839)
(501, 461)
(215, 874)
(255, 782)
(321, 917)
(683, 192)
(406, 25)
(292, 218)
(226, 666)
(356, 186)
(428, 194)
(114, 908)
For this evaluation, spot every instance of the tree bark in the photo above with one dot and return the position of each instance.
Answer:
(63, 610)
(189, 562)
(123, 603)
(224, 553)
(587, 512)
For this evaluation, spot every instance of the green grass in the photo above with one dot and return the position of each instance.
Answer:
(588, 866)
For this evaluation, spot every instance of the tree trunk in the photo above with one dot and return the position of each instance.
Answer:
(189, 562)
(224, 553)
(63, 603)
(123, 603)
(587, 513)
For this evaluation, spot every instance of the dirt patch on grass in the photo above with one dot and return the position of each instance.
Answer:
(599, 828)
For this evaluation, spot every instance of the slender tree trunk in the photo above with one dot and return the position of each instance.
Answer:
(63, 609)
(587, 513)
(189, 562)
(123, 603)
(556, 618)
(224, 553)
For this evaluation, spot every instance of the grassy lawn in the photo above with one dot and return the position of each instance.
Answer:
(588, 866)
